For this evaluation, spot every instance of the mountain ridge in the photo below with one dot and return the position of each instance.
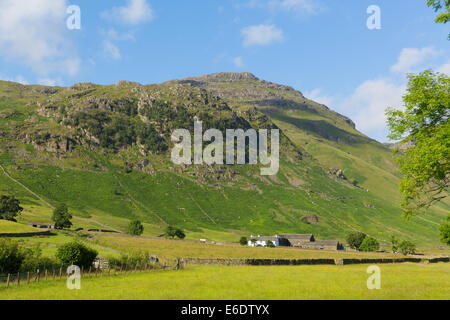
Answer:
(104, 151)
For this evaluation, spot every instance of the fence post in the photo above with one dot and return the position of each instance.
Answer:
(7, 280)
(38, 275)
(18, 278)
(46, 275)
(60, 273)
(54, 273)
(28, 277)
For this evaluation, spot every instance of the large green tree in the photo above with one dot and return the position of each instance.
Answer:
(423, 129)
(135, 228)
(62, 217)
(9, 208)
(443, 7)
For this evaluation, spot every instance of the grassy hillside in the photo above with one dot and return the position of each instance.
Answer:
(104, 150)
(13, 227)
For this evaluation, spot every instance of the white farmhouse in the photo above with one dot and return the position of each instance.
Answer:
(260, 241)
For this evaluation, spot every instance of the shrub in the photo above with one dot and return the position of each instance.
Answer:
(34, 260)
(369, 244)
(407, 247)
(243, 241)
(11, 256)
(270, 244)
(77, 254)
(135, 228)
(355, 239)
(445, 231)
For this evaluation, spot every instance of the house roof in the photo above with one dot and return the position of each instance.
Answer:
(264, 238)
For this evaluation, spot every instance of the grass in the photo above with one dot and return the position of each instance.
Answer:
(13, 227)
(195, 249)
(405, 281)
(50, 244)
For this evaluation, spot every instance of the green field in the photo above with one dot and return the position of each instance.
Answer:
(195, 249)
(405, 281)
(13, 227)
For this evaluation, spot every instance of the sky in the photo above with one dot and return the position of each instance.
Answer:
(323, 48)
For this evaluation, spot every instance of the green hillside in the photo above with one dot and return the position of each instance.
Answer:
(105, 151)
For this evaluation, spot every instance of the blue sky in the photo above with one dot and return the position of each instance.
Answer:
(321, 47)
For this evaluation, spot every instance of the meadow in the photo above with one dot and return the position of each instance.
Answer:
(405, 281)
(195, 249)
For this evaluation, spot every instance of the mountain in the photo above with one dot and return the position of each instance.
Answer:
(105, 151)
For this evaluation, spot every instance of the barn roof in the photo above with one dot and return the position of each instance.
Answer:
(296, 236)
(327, 242)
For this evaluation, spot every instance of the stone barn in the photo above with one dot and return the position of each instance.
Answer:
(295, 240)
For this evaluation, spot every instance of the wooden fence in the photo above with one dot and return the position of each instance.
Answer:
(25, 278)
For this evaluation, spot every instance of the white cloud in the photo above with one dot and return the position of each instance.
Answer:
(33, 32)
(111, 50)
(445, 68)
(262, 34)
(20, 79)
(50, 82)
(367, 105)
(317, 96)
(134, 13)
(239, 62)
(412, 57)
(304, 7)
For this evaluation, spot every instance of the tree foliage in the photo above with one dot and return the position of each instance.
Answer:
(423, 129)
(407, 247)
(173, 232)
(445, 231)
(395, 242)
(9, 208)
(355, 239)
(438, 6)
(11, 256)
(270, 244)
(62, 217)
(243, 241)
(369, 244)
(77, 254)
(135, 228)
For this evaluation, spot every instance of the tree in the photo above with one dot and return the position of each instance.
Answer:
(355, 239)
(62, 217)
(394, 241)
(170, 232)
(11, 256)
(9, 208)
(77, 254)
(424, 132)
(173, 232)
(243, 241)
(270, 244)
(135, 228)
(439, 5)
(180, 234)
(407, 247)
(445, 231)
(369, 244)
